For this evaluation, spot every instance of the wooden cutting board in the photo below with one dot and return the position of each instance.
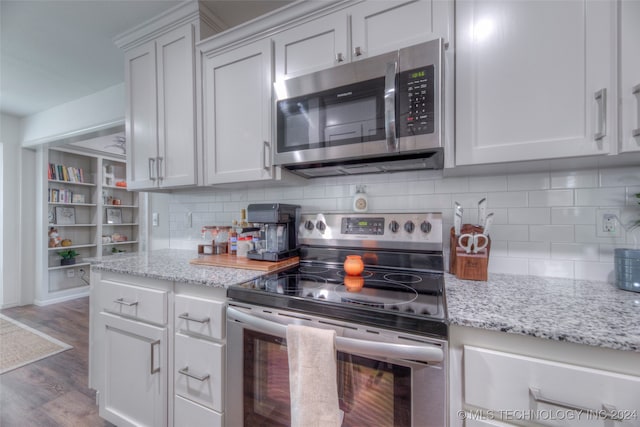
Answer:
(233, 261)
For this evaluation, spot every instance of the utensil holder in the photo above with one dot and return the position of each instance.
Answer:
(468, 266)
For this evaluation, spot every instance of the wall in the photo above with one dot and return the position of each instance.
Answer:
(545, 223)
(18, 211)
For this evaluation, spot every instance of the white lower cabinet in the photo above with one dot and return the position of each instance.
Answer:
(134, 386)
(517, 388)
(189, 414)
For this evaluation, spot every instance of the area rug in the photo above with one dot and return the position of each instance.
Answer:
(21, 345)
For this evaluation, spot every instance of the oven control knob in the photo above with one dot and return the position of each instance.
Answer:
(321, 226)
(394, 226)
(308, 225)
(409, 226)
(425, 226)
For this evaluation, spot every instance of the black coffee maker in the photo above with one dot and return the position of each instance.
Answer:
(278, 225)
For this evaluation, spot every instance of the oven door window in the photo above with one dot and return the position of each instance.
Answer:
(346, 115)
(370, 392)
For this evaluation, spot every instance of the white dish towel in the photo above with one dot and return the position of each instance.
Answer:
(312, 377)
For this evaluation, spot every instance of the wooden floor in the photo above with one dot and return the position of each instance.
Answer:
(53, 391)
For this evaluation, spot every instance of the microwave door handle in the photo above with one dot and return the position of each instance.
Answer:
(421, 353)
(390, 106)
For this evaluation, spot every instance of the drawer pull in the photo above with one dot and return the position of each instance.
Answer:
(608, 411)
(121, 301)
(185, 371)
(154, 370)
(188, 318)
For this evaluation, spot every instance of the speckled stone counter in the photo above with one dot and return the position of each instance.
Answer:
(173, 265)
(578, 311)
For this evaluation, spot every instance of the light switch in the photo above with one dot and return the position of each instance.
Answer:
(155, 221)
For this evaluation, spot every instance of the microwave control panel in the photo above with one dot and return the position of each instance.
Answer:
(416, 103)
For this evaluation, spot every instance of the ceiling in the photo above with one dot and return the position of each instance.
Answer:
(55, 51)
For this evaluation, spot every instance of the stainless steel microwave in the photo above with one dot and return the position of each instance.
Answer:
(379, 114)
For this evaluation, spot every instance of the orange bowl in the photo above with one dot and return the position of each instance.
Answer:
(353, 265)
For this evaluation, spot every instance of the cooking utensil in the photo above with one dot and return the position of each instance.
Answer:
(487, 224)
(482, 211)
(457, 219)
(474, 242)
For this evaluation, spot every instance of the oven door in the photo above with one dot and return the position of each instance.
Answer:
(384, 378)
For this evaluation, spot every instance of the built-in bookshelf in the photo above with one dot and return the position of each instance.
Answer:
(88, 210)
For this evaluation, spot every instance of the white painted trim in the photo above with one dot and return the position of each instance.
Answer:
(66, 295)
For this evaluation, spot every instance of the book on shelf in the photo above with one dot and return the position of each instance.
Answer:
(57, 195)
(65, 173)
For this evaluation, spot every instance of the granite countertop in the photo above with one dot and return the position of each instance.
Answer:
(578, 311)
(173, 265)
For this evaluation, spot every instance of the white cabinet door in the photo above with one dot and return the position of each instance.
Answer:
(527, 75)
(176, 108)
(141, 119)
(313, 46)
(134, 372)
(382, 26)
(629, 75)
(237, 114)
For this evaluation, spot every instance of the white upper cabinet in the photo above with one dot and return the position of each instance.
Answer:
(382, 26)
(629, 75)
(313, 46)
(365, 29)
(236, 109)
(534, 79)
(160, 112)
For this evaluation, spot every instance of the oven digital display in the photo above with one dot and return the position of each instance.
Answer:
(370, 226)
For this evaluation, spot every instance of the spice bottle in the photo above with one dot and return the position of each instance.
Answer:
(233, 239)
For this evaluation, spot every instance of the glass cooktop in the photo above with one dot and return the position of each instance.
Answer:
(402, 300)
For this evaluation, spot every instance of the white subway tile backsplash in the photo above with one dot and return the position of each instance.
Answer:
(551, 198)
(574, 179)
(488, 183)
(551, 233)
(529, 215)
(602, 271)
(551, 268)
(575, 251)
(544, 223)
(531, 181)
(619, 177)
(582, 215)
(507, 199)
(600, 196)
(539, 250)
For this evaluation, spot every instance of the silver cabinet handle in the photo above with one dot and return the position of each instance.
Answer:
(339, 57)
(266, 155)
(153, 357)
(152, 164)
(636, 92)
(601, 99)
(423, 353)
(185, 371)
(188, 318)
(608, 411)
(160, 175)
(357, 51)
(121, 301)
(390, 106)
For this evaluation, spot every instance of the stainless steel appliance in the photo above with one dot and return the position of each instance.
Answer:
(378, 114)
(390, 322)
(277, 230)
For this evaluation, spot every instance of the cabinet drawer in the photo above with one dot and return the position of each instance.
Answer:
(141, 303)
(199, 366)
(190, 414)
(200, 316)
(541, 388)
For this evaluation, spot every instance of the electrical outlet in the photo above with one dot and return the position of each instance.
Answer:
(608, 223)
(71, 273)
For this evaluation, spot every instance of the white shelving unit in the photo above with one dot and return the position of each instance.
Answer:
(85, 221)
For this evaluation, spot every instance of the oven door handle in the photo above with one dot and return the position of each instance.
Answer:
(421, 353)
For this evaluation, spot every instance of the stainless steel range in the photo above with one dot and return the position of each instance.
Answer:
(390, 321)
